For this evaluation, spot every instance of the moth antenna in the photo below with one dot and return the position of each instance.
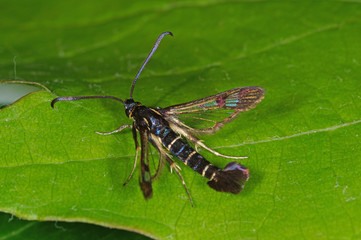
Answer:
(58, 99)
(147, 59)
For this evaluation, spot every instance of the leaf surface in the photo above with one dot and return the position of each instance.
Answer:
(302, 140)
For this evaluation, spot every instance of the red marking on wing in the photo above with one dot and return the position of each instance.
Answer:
(220, 101)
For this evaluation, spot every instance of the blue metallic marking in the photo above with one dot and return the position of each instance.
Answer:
(197, 165)
(154, 121)
(231, 104)
(179, 150)
(210, 104)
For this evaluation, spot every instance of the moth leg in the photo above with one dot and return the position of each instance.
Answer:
(135, 138)
(215, 152)
(116, 130)
(176, 169)
(134, 166)
(196, 147)
(156, 143)
(173, 166)
(159, 168)
(197, 142)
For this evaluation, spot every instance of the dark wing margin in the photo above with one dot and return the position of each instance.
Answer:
(209, 114)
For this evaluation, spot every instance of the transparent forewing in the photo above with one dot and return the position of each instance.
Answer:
(209, 114)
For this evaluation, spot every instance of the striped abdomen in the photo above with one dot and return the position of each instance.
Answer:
(229, 179)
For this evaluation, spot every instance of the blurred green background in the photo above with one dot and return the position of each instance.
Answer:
(302, 139)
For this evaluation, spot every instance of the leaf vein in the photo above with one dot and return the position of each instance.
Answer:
(332, 128)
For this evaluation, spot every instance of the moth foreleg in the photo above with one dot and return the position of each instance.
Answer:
(116, 130)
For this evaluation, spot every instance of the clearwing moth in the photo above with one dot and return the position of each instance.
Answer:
(165, 129)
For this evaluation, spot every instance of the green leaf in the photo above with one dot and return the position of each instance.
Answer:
(302, 140)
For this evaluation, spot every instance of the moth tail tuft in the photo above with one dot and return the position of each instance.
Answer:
(230, 179)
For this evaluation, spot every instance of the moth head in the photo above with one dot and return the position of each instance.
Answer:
(129, 105)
